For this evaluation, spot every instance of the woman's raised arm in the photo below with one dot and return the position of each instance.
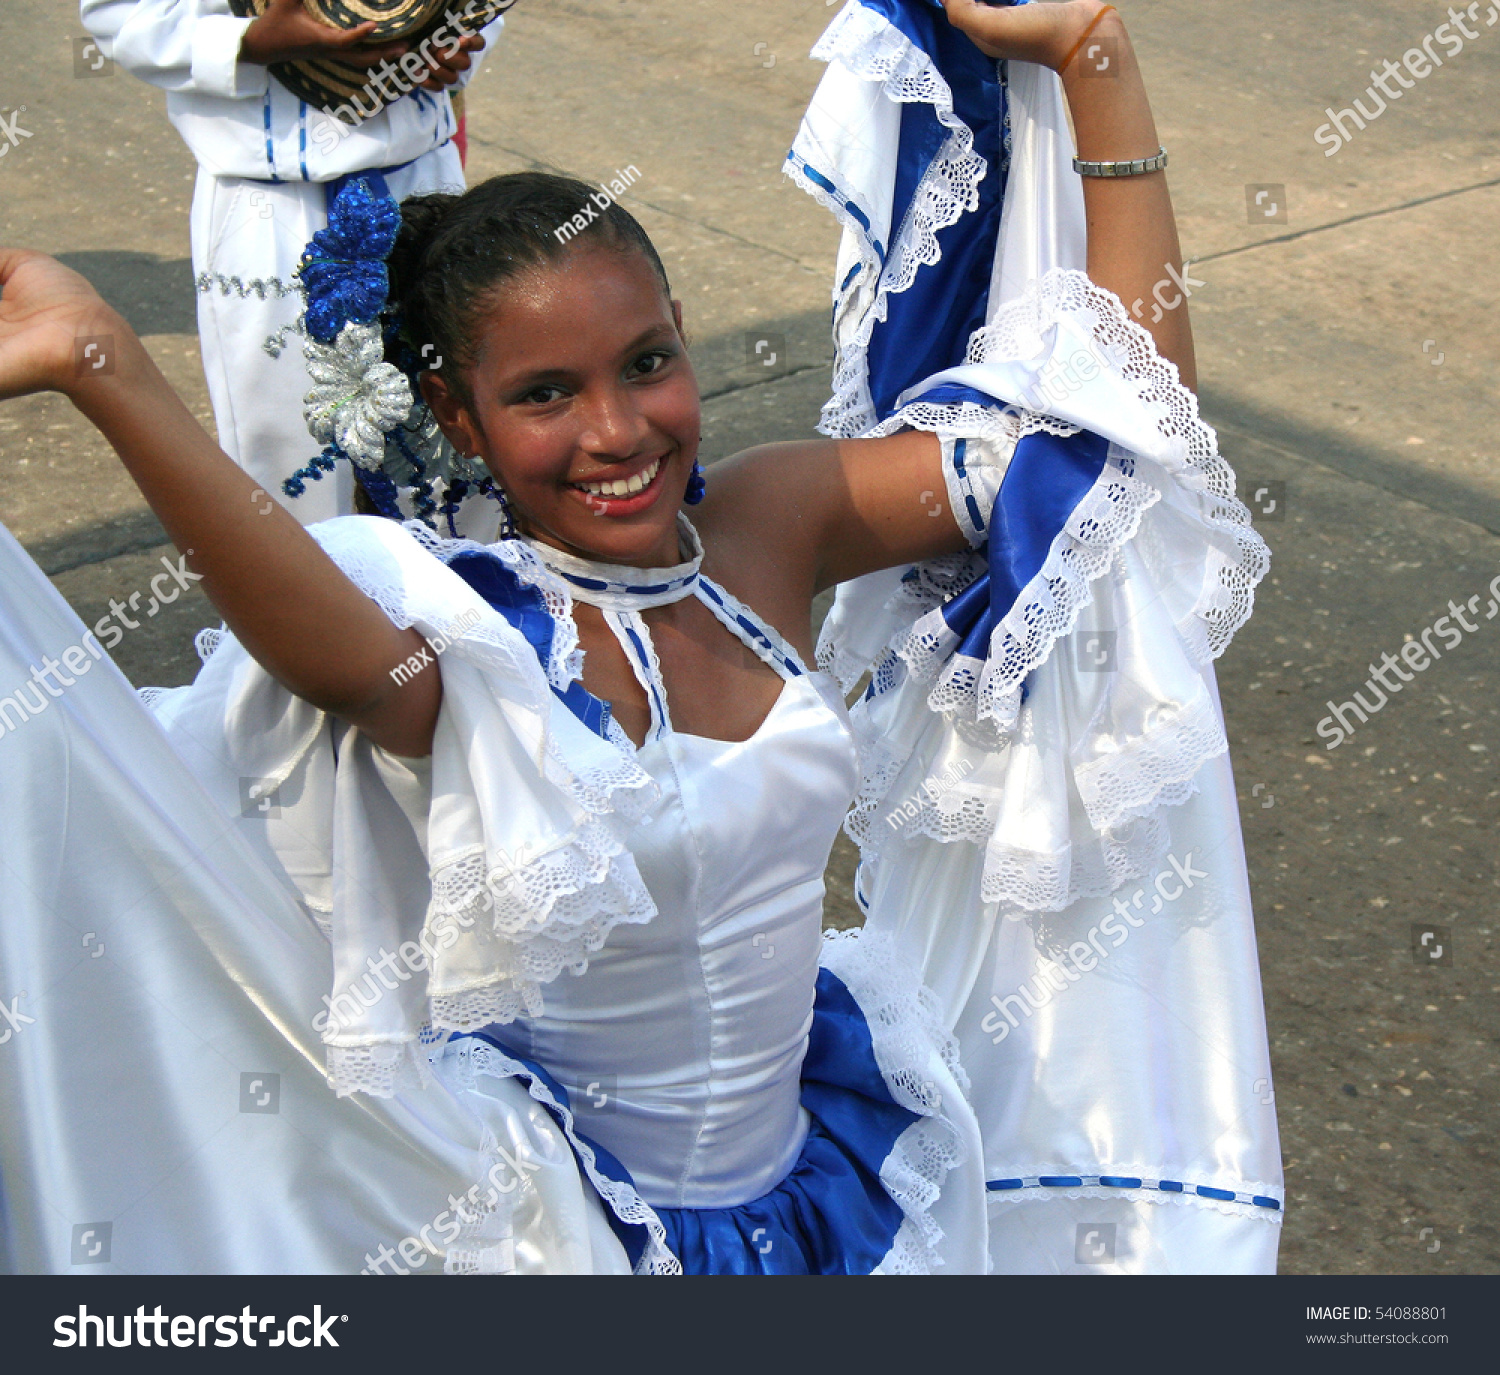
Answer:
(282, 596)
(1132, 233)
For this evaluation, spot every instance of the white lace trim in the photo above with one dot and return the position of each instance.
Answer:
(923, 586)
(983, 700)
(380, 1069)
(204, 643)
(485, 1242)
(1043, 882)
(1093, 865)
(552, 912)
(1104, 522)
(869, 47)
(1047, 609)
(480, 1057)
(207, 640)
(1153, 769)
(1189, 456)
(906, 1031)
(931, 583)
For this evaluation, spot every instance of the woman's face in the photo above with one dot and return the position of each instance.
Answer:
(584, 405)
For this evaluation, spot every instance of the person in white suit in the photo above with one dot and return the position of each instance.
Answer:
(266, 157)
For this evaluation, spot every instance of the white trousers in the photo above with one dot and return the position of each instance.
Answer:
(247, 238)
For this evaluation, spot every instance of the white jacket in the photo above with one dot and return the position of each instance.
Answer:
(239, 120)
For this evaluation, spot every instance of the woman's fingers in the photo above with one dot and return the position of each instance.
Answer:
(349, 37)
(993, 29)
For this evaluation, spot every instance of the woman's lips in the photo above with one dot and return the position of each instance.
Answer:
(603, 499)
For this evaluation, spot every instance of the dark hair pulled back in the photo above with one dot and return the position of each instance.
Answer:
(453, 249)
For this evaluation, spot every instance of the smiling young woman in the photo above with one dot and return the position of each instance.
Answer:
(598, 822)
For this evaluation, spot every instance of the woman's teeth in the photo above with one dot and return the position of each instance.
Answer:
(622, 486)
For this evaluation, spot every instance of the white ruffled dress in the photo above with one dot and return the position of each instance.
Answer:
(570, 997)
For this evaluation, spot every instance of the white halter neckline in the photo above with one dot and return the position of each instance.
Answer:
(620, 587)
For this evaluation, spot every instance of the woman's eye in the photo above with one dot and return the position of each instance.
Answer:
(542, 396)
(652, 362)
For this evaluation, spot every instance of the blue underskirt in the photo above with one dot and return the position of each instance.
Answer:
(831, 1215)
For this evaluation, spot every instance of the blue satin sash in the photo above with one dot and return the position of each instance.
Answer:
(1048, 477)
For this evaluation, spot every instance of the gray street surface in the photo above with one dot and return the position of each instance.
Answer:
(1349, 353)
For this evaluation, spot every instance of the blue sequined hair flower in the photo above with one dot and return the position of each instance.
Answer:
(365, 405)
(343, 269)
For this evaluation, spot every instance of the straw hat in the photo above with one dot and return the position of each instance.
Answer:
(327, 83)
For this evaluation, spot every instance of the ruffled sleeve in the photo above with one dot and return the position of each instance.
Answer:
(452, 888)
(1043, 754)
(1114, 568)
(1047, 695)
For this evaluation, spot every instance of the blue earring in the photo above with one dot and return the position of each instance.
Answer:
(696, 485)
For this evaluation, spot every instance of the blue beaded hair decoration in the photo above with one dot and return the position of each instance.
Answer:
(365, 404)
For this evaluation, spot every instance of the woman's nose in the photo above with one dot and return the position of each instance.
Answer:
(615, 425)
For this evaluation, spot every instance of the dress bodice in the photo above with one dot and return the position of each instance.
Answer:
(682, 1043)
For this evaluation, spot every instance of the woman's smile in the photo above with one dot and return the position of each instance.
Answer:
(624, 494)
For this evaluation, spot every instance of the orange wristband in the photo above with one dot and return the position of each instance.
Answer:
(1068, 60)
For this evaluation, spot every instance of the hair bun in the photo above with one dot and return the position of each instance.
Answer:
(420, 219)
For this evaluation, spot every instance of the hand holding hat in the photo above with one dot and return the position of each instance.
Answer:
(323, 50)
(287, 31)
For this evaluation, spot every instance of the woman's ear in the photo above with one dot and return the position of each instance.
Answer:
(677, 320)
(450, 413)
